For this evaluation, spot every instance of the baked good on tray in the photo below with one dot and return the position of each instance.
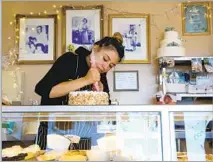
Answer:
(73, 155)
(49, 155)
(17, 153)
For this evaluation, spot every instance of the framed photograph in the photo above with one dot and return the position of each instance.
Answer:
(83, 26)
(196, 18)
(135, 29)
(126, 81)
(37, 39)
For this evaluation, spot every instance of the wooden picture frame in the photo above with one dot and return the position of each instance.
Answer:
(135, 29)
(37, 37)
(196, 19)
(82, 26)
(126, 81)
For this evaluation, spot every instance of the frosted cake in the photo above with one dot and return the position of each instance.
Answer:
(171, 45)
(88, 98)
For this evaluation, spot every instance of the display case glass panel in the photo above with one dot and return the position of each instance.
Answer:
(134, 136)
(192, 136)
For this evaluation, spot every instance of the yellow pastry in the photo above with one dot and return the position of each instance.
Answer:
(72, 152)
(72, 158)
(51, 155)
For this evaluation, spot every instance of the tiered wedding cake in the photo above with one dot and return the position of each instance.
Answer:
(171, 45)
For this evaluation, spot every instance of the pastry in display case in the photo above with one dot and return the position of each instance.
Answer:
(17, 153)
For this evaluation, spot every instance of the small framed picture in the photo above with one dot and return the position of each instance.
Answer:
(37, 39)
(126, 81)
(135, 29)
(196, 18)
(83, 26)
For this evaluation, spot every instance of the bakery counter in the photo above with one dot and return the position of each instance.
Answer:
(138, 132)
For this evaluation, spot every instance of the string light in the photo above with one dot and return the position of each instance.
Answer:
(166, 13)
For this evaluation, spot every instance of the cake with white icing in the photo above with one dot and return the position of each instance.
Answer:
(171, 45)
(88, 98)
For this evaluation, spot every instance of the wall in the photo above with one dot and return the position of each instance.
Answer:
(195, 46)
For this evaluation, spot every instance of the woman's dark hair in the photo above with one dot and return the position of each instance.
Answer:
(116, 41)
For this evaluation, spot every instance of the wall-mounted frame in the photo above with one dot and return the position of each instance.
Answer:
(196, 18)
(135, 29)
(126, 81)
(82, 26)
(37, 38)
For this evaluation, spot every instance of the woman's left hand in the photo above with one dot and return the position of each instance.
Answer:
(100, 85)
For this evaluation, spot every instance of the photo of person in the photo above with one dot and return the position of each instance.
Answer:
(83, 31)
(131, 34)
(36, 38)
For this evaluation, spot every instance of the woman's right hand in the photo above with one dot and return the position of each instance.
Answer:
(93, 75)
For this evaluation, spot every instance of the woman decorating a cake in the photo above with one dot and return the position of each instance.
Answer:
(78, 71)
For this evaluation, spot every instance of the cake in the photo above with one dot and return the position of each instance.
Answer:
(88, 98)
(171, 45)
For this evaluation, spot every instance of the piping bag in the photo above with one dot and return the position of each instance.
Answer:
(93, 65)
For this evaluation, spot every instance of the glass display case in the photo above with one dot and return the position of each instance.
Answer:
(103, 133)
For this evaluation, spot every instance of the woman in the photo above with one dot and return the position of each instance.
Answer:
(84, 32)
(73, 71)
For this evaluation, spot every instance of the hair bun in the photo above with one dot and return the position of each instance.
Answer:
(118, 36)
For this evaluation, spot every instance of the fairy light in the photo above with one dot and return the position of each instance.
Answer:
(57, 11)
(9, 38)
(45, 12)
(11, 23)
(31, 13)
(39, 13)
(54, 6)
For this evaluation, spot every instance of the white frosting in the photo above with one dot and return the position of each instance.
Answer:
(171, 35)
(12, 151)
(33, 149)
(171, 51)
(165, 42)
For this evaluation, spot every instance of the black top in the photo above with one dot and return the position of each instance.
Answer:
(69, 66)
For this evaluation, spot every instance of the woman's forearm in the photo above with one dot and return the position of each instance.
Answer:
(64, 88)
